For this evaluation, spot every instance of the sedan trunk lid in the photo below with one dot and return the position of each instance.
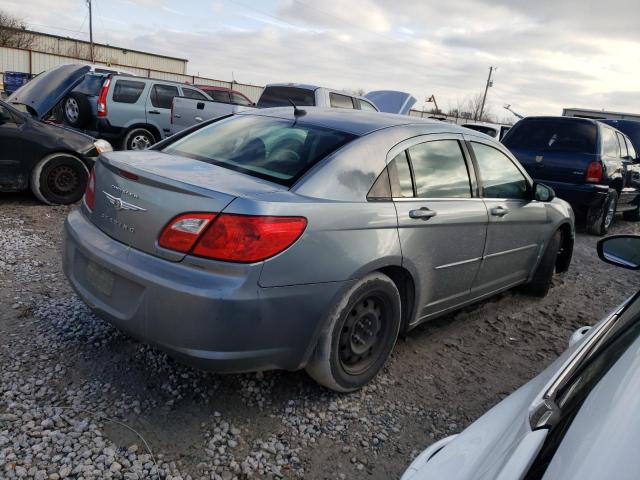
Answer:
(138, 193)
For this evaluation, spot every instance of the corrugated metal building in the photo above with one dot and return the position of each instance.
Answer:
(49, 51)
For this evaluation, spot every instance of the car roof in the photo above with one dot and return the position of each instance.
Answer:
(357, 122)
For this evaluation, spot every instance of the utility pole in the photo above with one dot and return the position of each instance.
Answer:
(91, 32)
(486, 88)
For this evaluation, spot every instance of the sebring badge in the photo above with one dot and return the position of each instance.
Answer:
(120, 204)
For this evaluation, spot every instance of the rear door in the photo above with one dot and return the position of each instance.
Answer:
(631, 189)
(442, 224)
(126, 101)
(517, 224)
(159, 106)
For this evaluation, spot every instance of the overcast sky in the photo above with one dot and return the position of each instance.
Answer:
(549, 54)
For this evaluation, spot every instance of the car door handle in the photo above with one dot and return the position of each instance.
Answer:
(154, 112)
(422, 213)
(177, 115)
(499, 211)
(198, 119)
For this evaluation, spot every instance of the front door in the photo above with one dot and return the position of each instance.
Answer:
(14, 176)
(442, 225)
(515, 233)
(159, 107)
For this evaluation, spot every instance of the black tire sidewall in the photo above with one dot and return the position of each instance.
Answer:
(379, 287)
(596, 222)
(126, 144)
(84, 110)
(45, 168)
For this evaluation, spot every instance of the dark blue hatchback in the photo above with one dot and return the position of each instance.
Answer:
(589, 164)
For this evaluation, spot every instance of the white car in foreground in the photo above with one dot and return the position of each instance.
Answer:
(578, 420)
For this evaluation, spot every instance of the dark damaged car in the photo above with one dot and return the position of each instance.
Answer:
(52, 161)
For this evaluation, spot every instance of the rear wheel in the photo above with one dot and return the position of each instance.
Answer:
(138, 139)
(599, 219)
(541, 281)
(60, 178)
(359, 335)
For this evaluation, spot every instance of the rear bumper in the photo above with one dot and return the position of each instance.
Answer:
(103, 129)
(584, 195)
(214, 318)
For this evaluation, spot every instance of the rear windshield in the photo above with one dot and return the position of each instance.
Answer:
(280, 96)
(492, 132)
(275, 149)
(553, 135)
(90, 85)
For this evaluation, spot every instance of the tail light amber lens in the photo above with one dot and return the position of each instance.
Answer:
(90, 192)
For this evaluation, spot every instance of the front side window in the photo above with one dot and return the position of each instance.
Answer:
(272, 148)
(610, 147)
(630, 149)
(6, 116)
(500, 177)
(439, 170)
(340, 101)
(191, 93)
(162, 95)
(127, 91)
(239, 100)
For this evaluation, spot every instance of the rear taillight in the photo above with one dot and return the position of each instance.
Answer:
(102, 99)
(183, 232)
(231, 237)
(594, 172)
(90, 192)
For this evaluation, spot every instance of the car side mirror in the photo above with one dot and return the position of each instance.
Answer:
(542, 192)
(621, 250)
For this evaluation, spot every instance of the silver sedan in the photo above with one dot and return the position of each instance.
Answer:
(288, 238)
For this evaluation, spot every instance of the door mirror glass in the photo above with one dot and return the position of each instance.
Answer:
(621, 250)
(542, 193)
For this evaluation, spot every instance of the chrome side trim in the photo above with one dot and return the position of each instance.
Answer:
(455, 264)
(513, 250)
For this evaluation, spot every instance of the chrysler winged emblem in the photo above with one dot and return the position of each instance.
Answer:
(120, 204)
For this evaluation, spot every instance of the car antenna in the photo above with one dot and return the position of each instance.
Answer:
(298, 112)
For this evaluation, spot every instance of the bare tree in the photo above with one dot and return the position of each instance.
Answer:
(13, 32)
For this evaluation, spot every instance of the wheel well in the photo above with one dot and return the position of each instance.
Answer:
(406, 286)
(564, 258)
(146, 126)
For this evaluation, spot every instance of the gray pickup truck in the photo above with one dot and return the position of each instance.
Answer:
(187, 112)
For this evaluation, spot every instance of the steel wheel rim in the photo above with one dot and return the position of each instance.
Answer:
(63, 180)
(72, 109)
(140, 142)
(610, 213)
(362, 334)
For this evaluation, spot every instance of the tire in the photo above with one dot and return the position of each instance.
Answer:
(76, 110)
(600, 219)
(60, 178)
(138, 139)
(541, 282)
(358, 336)
(632, 215)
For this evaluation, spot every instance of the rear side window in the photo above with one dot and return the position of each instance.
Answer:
(220, 96)
(283, 96)
(610, 146)
(272, 148)
(364, 105)
(553, 135)
(500, 177)
(127, 91)
(400, 176)
(191, 93)
(623, 145)
(439, 170)
(630, 149)
(239, 100)
(340, 101)
(162, 95)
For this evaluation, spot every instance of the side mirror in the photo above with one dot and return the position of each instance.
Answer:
(621, 250)
(543, 193)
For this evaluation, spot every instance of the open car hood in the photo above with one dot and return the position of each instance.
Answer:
(392, 101)
(44, 91)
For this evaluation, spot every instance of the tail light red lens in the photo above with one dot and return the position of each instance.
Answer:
(594, 172)
(90, 192)
(102, 99)
(183, 232)
(231, 237)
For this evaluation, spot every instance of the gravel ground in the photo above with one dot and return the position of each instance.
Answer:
(78, 399)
